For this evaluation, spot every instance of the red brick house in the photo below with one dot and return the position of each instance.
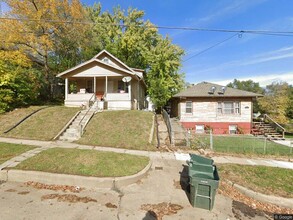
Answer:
(206, 105)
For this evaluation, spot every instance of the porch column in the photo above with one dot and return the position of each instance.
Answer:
(95, 84)
(106, 86)
(66, 88)
(129, 90)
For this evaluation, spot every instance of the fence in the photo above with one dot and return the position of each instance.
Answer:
(243, 144)
(169, 126)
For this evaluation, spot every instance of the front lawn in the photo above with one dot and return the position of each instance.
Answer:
(8, 151)
(85, 163)
(125, 129)
(267, 180)
(45, 124)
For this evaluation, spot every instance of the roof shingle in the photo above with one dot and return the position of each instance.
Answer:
(203, 89)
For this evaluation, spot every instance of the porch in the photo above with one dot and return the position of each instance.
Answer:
(109, 92)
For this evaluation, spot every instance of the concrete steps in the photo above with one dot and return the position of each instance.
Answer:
(74, 130)
(266, 130)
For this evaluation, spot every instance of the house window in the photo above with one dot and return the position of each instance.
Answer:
(122, 87)
(188, 108)
(228, 108)
(232, 129)
(199, 129)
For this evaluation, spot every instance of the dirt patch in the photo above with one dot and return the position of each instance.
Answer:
(267, 208)
(10, 190)
(23, 192)
(64, 188)
(111, 206)
(159, 210)
(68, 198)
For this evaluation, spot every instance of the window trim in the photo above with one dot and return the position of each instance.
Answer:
(235, 110)
(189, 107)
(200, 131)
(236, 127)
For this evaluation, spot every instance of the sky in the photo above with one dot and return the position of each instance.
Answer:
(261, 58)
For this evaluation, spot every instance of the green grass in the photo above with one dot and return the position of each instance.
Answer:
(244, 144)
(44, 125)
(121, 129)
(267, 180)
(8, 151)
(85, 163)
(9, 119)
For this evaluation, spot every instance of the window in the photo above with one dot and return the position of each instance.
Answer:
(199, 129)
(188, 108)
(232, 129)
(228, 108)
(122, 86)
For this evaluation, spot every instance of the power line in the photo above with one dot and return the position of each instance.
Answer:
(262, 32)
(203, 51)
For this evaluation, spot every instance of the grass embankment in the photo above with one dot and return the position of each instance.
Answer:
(44, 125)
(85, 162)
(9, 119)
(121, 129)
(267, 180)
(8, 151)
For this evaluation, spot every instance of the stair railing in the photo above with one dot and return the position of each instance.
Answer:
(275, 123)
(90, 104)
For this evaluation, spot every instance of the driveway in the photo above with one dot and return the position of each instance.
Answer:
(165, 184)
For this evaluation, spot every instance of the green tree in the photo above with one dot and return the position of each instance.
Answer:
(18, 82)
(289, 111)
(276, 101)
(250, 86)
(138, 43)
(49, 32)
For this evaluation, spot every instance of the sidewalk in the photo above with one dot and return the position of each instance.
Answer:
(154, 155)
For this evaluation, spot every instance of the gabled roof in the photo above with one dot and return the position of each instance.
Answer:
(126, 69)
(113, 57)
(205, 89)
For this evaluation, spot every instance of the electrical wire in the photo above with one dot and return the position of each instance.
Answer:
(205, 50)
(262, 32)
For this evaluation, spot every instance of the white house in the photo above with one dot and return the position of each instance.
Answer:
(206, 105)
(106, 80)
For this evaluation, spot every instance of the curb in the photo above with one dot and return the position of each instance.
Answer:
(279, 201)
(75, 180)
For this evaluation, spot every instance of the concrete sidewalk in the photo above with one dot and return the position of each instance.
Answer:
(153, 155)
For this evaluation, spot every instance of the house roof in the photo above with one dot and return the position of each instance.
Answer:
(206, 89)
(123, 67)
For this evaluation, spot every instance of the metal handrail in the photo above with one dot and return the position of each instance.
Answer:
(276, 123)
(90, 107)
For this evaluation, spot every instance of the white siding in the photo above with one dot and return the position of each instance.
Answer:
(207, 112)
(97, 71)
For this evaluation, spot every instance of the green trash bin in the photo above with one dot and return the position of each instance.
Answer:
(195, 168)
(196, 159)
(203, 189)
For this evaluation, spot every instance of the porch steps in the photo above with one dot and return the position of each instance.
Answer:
(74, 132)
(266, 130)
